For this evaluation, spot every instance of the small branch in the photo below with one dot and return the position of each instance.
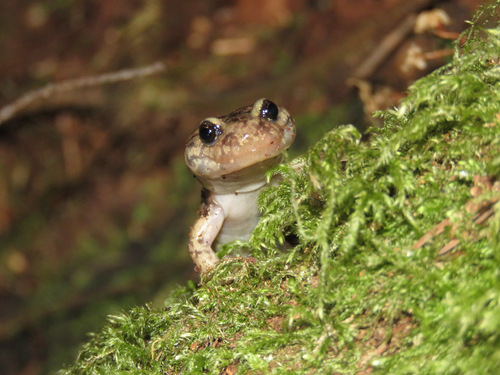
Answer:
(10, 110)
(437, 230)
(481, 212)
(479, 217)
(433, 55)
(385, 48)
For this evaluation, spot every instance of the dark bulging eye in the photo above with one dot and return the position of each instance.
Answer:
(269, 110)
(209, 132)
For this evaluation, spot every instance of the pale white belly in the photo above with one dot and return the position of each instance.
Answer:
(241, 215)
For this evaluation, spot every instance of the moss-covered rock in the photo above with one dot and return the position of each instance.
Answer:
(395, 263)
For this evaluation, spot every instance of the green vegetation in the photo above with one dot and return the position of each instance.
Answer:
(359, 292)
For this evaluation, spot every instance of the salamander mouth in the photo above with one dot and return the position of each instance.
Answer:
(289, 135)
(269, 146)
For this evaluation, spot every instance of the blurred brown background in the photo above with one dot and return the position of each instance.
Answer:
(95, 201)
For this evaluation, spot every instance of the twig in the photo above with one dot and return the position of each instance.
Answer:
(10, 110)
(385, 48)
(479, 218)
(481, 211)
(327, 334)
(432, 55)
(437, 230)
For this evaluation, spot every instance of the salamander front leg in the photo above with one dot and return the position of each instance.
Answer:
(203, 234)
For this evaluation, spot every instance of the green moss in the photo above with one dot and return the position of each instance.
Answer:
(354, 293)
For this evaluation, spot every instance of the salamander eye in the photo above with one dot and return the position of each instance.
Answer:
(209, 132)
(269, 110)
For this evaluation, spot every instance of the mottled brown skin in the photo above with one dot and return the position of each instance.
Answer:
(231, 166)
